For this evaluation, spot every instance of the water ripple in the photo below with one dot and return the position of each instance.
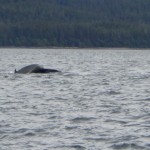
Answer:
(100, 100)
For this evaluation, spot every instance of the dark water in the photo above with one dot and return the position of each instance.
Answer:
(100, 101)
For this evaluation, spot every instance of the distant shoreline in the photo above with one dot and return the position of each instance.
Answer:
(77, 48)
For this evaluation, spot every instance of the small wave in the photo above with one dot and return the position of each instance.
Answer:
(96, 139)
(29, 134)
(123, 146)
(22, 130)
(146, 99)
(68, 74)
(116, 121)
(70, 147)
(82, 119)
(140, 76)
(113, 92)
(78, 147)
(4, 136)
(71, 127)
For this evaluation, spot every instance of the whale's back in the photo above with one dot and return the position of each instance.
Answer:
(29, 69)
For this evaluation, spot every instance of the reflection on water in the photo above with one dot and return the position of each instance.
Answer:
(100, 100)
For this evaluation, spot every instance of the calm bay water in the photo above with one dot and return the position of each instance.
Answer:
(100, 100)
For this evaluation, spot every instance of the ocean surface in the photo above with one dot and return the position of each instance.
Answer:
(99, 101)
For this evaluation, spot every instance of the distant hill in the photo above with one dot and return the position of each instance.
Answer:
(75, 23)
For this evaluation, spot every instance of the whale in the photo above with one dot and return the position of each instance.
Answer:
(35, 68)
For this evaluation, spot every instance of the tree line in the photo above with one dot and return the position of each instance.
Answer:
(75, 23)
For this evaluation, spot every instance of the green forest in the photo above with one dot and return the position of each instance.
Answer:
(75, 23)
